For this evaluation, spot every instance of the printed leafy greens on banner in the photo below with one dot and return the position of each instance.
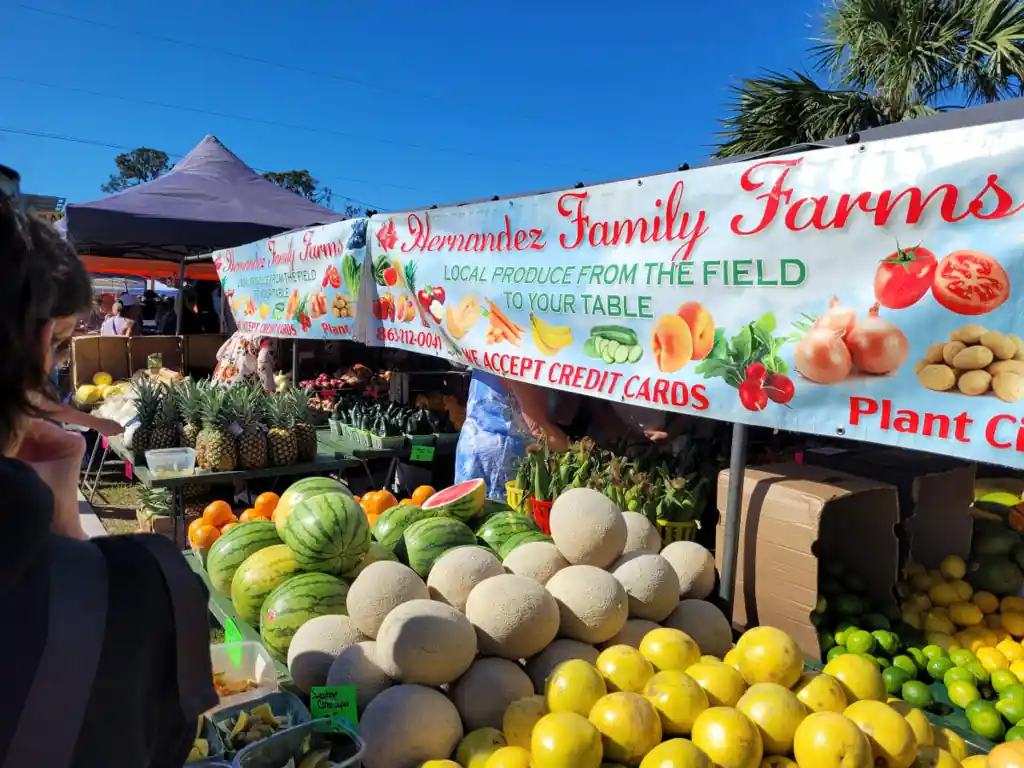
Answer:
(755, 343)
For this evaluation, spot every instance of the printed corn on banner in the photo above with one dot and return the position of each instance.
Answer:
(871, 292)
(302, 284)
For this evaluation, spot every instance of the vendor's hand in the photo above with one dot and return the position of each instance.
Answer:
(56, 456)
(656, 435)
(108, 427)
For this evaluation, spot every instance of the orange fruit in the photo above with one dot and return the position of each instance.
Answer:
(245, 517)
(225, 528)
(421, 494)
(359, 499)
(261, 513)
(406, 501)
(193, 527)
(377, 502)
(205, 536)
(217, 513)
(266, 503)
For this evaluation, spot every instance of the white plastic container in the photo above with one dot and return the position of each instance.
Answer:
(176, 461)
(244, 661)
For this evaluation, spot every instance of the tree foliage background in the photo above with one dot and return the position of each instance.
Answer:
(137, 167)
(877, 62)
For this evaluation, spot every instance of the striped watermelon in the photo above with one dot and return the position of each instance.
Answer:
(234, 547)
(427, 540)
(499, 527)
(463, 501)
(295, 602)
(375, 553)
(393, 523)
(520, 538)
(328, 532)
(304, 489)
(493, 507)
(257, 577)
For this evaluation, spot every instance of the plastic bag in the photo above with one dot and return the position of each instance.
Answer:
(493, 438)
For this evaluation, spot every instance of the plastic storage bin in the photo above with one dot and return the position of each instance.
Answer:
(244, 661)
(177, 461)
(357, 437)
(514, 495)
(346, 748)
(542, 514)
(387, 443)
(281, 703)
(447, 438)
(216, 744)
(677, 531)
(420, 439)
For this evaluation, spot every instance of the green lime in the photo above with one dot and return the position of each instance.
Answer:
(833, 652)
(981, 674)
(906, 664)
(934, 652)
(918, 656)
(938, 667)
(875, 621)
(892, 613)
(826, 641)
(887, 641)
(1003, 679)
(822, 605)
(894, 678)
(834, 568)
(962, 656)
(829, 586)
(1014, 734)
(817, 619)
(844, 630)
(957, 674)
(849, 605)
(962, 693)
(854, 582)
(1011, 709)
(1012, 692)
(917, 693)
(986, 721)
(860, 641)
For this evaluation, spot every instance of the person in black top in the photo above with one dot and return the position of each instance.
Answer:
(110, 663)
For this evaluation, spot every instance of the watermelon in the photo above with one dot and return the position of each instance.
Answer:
(493, 507)
(327, 532)
(234, 547)
(427, 540)
(375, 553)
(301, 490)
(463, 501)
(394, 522)
(520, 538)
(499, 527)
(295, 602)
(259, 575)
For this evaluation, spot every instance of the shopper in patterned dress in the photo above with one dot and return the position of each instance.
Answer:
(246, 357)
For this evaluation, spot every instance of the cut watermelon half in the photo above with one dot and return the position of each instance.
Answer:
(462, 501)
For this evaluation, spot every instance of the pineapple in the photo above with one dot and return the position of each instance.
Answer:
(248, 409)
(190, 402)
(281, 443)
(148, 402)
(305, 432)
(215, 447)
(155, 501)
(165, 428)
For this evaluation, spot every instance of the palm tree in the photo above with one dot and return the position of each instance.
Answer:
(883, 61)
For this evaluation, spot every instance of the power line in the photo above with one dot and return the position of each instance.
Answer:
(281, 65)
(178, 155)
(273, 123)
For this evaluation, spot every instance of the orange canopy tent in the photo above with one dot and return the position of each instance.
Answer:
(148, 268)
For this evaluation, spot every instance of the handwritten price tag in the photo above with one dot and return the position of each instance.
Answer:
(334, 701)
(422, 453)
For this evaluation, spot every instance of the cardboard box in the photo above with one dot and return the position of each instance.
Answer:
(792, 515)
(164, 525)
(170, 348)
(201, 350)
(92, 354)
(935, 494)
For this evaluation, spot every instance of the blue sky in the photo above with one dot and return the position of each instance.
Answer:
(398, 103)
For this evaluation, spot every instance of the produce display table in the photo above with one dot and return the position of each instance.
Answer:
(341, 446)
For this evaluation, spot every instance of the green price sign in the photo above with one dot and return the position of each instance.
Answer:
(422, 453)
(231, 633)
(334, 701)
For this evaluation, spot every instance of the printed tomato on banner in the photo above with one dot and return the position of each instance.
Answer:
(302, 284)
(867, 292)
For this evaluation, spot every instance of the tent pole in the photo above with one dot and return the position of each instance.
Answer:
(734, 503)
(179, 300)
(295, 362)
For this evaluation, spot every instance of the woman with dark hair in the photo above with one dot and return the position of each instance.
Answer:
(113, 666)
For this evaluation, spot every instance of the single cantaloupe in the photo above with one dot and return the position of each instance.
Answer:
(705, 624)
(456, 573)
(315, 646)
(407, 725)
(631, 634)
(591, 602)
(587, 527)
(651, 584)
(537, 560)
(641, 534)
(427, 642)
(514, 617)
(381, 587)
(483, 694)
(542, 665)
(694, 567)
(357, 665)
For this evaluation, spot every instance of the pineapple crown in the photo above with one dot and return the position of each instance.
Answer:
(148, 398)
(189, 398)
(247, 404)
(280, 411)
(216, 408)
(299, 402)
(167, 415)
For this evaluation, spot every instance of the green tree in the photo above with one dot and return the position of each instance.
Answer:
(880, 62)
(301, 183)
(137, 167)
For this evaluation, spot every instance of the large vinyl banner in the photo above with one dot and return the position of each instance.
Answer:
(302, 284)
(868, 291)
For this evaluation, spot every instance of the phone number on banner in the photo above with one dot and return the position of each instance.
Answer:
(409, 338)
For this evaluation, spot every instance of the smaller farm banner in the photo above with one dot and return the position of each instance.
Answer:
(871, 291)
(302, 284)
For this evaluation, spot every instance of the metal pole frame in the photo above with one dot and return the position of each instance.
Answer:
(733, 506)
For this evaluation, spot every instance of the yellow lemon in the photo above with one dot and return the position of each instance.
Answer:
(778, 761)
(967, 638)
(935, 757)
(678, 699)
(988, 602)
(476, 746)
(732, 658)
(919, 601)
(709, 659)
(944, 640)
(1017, 667)
(921, 582)
(943, 594)
(519, 719)
(940, 610)
(892, 739)
(667, 648)
(629, 726)
(953, 567)
(859, 677)
(963, 590)
(1001, 634)
(913, 569)
(994, 621)
(574, 686)
(1013, 622)
(988, 635)
(933, 622)
(917, 720)
(728, 737)
(723, 684)
(676, 753)
(1011, 603)
(820, 693)
(624, 668)
(777, 712)
(510, 757)
(965, 614)
(564, 739)
(951, 742)
(991, 659)
(974, 761)
(769, 655)
(440, 764)
(830, 740)
(912, 617)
